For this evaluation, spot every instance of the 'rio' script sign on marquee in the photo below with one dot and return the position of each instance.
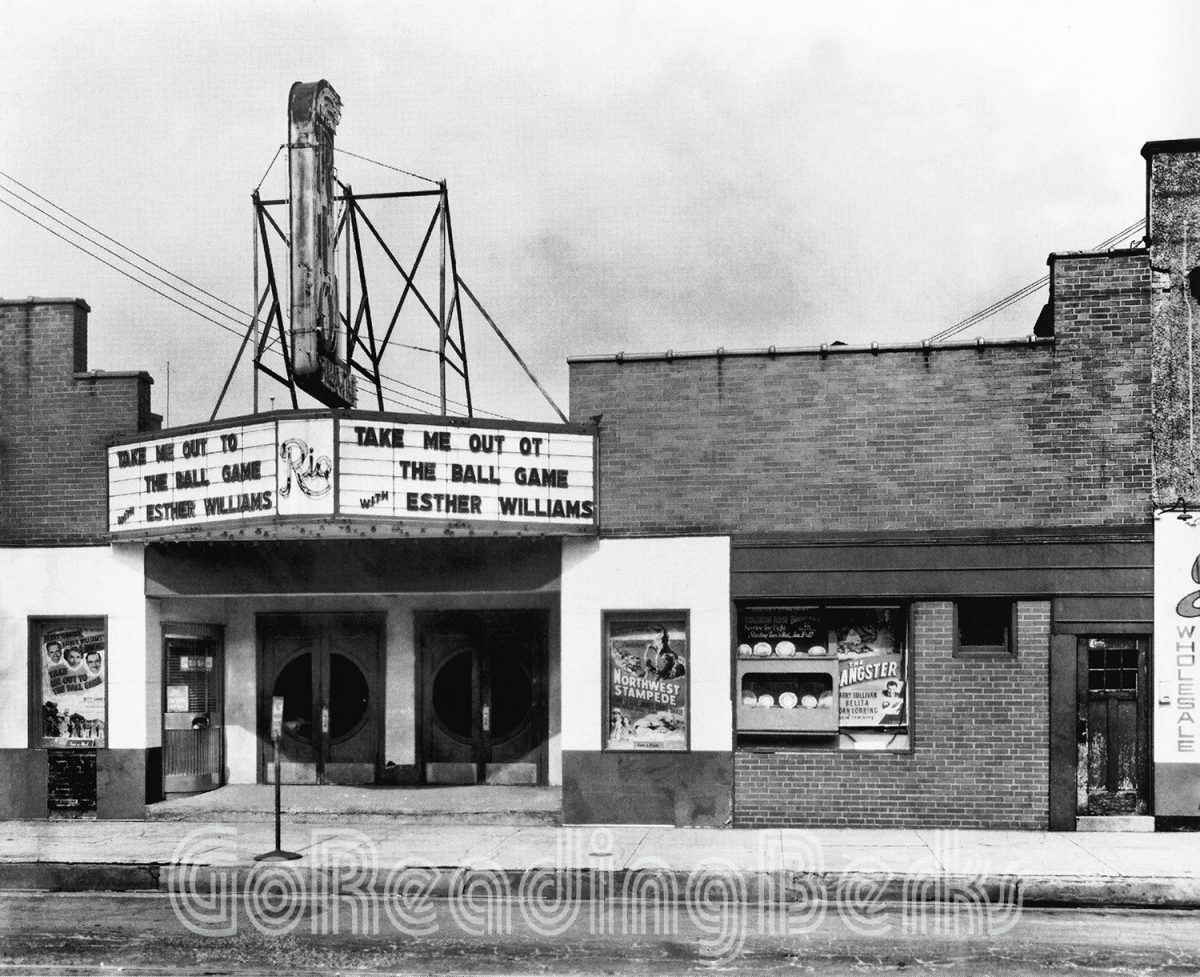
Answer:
(350, 466)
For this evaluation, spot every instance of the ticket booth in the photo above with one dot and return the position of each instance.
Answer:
(193, 710)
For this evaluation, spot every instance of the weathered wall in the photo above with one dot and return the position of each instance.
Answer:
(55, 420)
(1173, 178)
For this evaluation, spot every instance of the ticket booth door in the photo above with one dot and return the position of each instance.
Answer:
(193, 713)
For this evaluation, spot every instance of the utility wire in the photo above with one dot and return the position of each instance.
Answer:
(119, 257)
(270, 166)
(106, 237)
(242, 314)
(1024, 292)
(121, 271)
(272, 340)
(386, 166)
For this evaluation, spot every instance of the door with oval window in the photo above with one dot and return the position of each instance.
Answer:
(483, 709)
(326, 668)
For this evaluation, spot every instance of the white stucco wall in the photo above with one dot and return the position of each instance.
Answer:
(685, 573)
(80, 581)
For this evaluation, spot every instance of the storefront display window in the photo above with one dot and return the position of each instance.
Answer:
(646, 664)
(68, 670)
(822, 675)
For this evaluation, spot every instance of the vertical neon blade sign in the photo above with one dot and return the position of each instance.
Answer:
(314, 110)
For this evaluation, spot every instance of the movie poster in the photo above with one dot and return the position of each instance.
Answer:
(872, 686)
(74, 666)
(646, 661)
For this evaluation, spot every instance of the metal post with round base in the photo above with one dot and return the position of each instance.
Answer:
(278, 855)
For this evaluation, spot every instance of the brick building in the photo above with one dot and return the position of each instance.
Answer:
(974, 522)
(941, 585)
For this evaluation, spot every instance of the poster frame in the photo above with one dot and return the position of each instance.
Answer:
(35, 627)
(667, 618)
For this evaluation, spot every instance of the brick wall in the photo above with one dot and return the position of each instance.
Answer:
(1053, 434)
(981, 747)
(55, 421)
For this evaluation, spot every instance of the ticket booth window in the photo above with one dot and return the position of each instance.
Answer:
(193, 716)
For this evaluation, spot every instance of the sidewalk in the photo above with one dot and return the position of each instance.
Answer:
(1033, 868)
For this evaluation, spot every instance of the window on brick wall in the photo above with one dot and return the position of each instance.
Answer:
(985, 627)
(822, 676)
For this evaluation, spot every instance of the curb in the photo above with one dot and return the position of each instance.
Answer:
(522, 819)
(80, 876)
(1112, 892)
(586, 884)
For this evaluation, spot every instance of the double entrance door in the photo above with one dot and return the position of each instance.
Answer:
(482, 696)
(326, 668)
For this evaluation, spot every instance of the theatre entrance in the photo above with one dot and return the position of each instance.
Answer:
(326, 667)
(482, 696)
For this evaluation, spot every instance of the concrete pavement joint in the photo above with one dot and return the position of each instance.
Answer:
(1092, 854)
(635, 851)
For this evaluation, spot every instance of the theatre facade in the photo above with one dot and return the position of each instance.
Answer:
(915, 585)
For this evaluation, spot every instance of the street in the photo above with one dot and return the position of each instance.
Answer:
(138, 934)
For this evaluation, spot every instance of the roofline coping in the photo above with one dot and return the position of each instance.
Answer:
(825, 349)
(37, 300)
(1113, 253)
(1156, 146)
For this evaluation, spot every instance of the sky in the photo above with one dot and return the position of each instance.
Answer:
(623, 176)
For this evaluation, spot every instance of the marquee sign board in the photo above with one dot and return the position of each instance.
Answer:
(310, 468)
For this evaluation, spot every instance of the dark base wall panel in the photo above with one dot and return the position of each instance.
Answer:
(23, 778)
(71, 789)
(683, 789)
(126, 781)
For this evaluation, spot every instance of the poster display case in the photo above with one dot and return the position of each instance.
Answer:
(809, 670)
(68, 692)
(646, 689)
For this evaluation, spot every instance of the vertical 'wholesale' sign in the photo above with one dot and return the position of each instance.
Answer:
(1176, 639)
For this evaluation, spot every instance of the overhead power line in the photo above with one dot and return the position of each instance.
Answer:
(409, 399)
(1025, 291)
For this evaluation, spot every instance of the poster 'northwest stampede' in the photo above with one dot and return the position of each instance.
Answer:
(647, 664)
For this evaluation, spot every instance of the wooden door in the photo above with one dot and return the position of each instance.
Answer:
(327, 670)
(483, 709)
(1113, 715)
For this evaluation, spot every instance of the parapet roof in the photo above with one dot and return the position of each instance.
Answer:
(825, 349)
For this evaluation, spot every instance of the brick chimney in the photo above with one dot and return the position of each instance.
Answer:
(56, 418)
(1173, 233)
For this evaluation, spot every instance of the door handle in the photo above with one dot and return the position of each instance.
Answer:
(325, 720)
(487, 719)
